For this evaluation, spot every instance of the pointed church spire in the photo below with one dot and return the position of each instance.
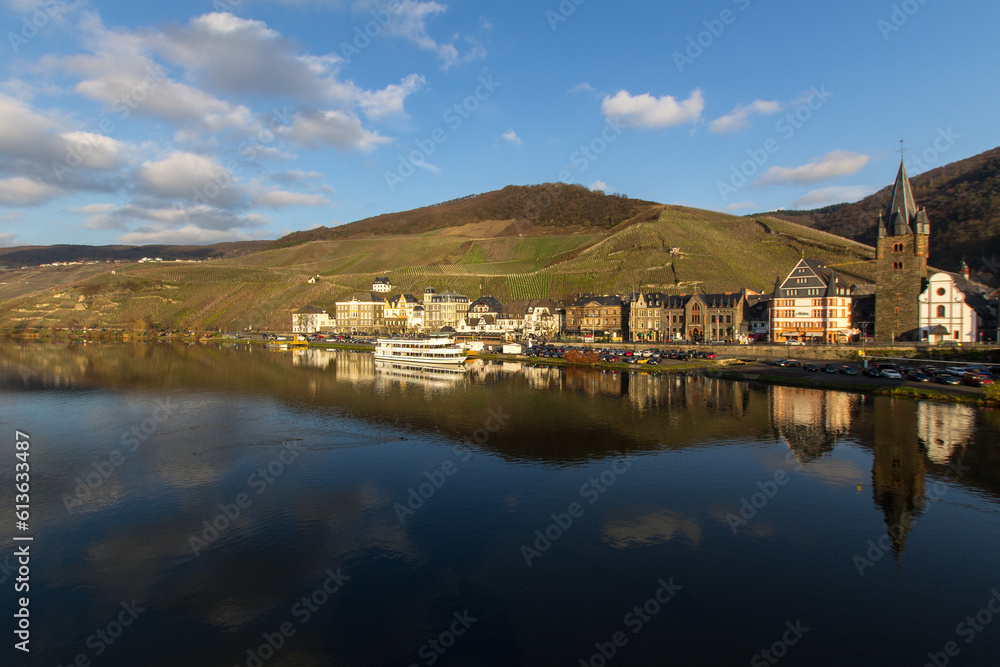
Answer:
(902, 209)
(881, 225)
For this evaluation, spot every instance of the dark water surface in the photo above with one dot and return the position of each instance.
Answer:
(222, 506)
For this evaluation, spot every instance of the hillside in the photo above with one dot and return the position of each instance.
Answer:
(668, 248)
(963, 204)
(557, 206)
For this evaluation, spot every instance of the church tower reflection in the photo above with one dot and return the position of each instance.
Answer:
(898, 468)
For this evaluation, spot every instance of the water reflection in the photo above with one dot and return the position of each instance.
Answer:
(811, 421)
(945, 430)
(371, 436)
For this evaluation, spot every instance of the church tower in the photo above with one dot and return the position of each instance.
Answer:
(901, 263)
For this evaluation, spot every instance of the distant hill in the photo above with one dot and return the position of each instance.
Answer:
(550, 205)
(34, 255)
(672, 249)
(963, 204)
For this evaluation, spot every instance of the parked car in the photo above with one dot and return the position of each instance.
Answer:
(779, 362)
(711, 355)
(829, 368)
(976, 379)
(890, 374)
(791, 363)
(871, 372)
(946, 378)
(812, 368)
(848, 370)
(918, 376)
(794, 342)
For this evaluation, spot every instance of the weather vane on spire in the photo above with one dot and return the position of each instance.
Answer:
(901, 149)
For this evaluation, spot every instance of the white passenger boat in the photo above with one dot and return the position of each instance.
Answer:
(426, 351)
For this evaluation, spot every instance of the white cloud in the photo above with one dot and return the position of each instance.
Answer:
(832, 165)
(20, 191)
(511, 136)
(602, 186)
(96, 151)
(282, 198)
(339, 129)
(93, 209)
(739, 117)
(741, 205)
(40, 145)
(233, 55)
(409, 21)
(653, 112)
(120, 72)
(390, 99)
(583, 87)
(835, 194)
(186, 235)
(180, 174)
(176, 224)
(24, 132)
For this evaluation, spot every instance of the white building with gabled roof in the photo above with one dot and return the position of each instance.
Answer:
(952, 308)
(812, 304)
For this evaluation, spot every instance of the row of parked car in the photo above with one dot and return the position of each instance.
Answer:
(973, 376)
(614, 355)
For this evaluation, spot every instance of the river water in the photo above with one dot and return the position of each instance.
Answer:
(206, 505)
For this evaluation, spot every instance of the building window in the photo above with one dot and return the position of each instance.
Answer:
(940, 291)
(941, 311)
(896, 310)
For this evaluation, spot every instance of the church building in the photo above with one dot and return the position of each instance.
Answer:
(901, 264)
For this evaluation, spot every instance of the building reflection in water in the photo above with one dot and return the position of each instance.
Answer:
(811, 420)
(313, 357)
(944, 429)
(898, 468)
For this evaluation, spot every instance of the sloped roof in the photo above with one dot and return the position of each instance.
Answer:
(722, 300)
(974, 294)
(901, 209)
(514, 309)
(599, 300)
(490, 302)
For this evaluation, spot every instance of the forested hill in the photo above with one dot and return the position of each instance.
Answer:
(963, 204)
(556, 205)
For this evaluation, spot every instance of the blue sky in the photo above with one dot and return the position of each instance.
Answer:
(199, 122)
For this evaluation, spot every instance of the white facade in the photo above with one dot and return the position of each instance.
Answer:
(479, 323)
(312, 322)
(415, 319)
(542, 321)
(381, 285)
(812, 304)
(943, 303)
